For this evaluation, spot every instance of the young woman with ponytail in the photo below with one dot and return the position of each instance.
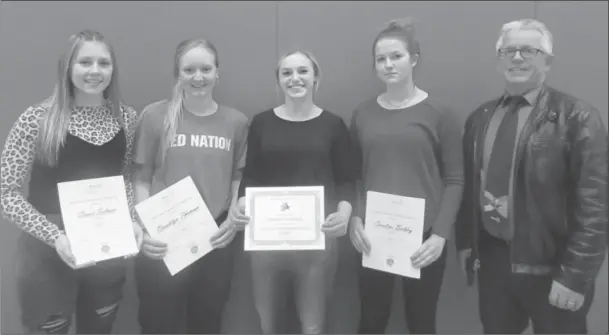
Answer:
(407, 144)
(190, 135)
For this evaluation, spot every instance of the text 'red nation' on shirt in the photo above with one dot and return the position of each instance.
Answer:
(210, 149)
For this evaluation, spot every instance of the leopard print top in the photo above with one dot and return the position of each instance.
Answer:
(96, 125)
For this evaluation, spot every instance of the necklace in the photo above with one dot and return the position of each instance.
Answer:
(402, 104)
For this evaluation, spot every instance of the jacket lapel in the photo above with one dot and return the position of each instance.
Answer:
(537, 116)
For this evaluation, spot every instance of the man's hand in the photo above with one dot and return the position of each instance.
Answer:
(464, 255)
(564, 298)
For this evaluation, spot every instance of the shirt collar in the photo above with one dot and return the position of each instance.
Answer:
(530, 96)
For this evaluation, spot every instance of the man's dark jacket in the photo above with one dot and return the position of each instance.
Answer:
(559, 205)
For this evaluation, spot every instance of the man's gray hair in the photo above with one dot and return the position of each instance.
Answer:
(527, 24)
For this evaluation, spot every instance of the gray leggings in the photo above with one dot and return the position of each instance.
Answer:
(314, 277)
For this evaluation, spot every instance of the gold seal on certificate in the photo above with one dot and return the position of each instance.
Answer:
(97, 220)
(394, 226)
(284, 218)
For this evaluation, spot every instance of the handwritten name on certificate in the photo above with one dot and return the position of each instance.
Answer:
(179, 217)
(394, 225)
(96, 218)
(284, 218)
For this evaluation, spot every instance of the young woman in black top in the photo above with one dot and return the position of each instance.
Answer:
(300, 144)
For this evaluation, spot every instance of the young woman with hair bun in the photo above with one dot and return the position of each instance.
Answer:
(408, 144)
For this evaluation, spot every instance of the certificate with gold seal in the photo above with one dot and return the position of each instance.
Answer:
(179, 217)
(394, 226)
(96, 217)
(284, 218)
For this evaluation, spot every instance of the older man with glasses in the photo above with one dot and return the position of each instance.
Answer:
(533, 220)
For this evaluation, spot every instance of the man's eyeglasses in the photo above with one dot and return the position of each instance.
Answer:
(526, 53)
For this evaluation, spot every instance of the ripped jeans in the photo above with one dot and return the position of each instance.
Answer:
(50, 292)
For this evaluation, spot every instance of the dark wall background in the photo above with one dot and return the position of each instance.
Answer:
(457, 66)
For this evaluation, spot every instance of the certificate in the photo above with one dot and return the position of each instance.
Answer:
(96, 218)
(284, 218)
(179, 217)
(394, 226)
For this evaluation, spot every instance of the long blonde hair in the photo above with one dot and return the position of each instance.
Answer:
(54, 124)
(175, 105)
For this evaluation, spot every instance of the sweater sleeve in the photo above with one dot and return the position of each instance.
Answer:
(449, 133)
(251, 154)
(343, 164)
(17, 159)
(356, 148)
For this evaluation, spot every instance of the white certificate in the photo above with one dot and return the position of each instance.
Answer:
(394, 226)
(284, 218)
(96, 218)
(179, 217)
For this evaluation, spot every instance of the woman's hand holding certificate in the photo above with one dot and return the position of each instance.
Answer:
(224, 236)
(153, 248)
(337, 223)
(357, 234)
(62, 246)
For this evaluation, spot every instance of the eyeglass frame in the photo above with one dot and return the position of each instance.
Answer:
(510, 52)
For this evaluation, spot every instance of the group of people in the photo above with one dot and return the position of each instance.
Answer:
(524, 186)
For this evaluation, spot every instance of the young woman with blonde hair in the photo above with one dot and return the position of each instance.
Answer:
(190, 135)
(300, 144)
(82, 131)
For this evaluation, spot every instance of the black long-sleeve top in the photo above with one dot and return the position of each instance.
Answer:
(316, 152)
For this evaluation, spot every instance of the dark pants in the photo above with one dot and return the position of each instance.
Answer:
(420, 298)
(200, 290)
(49, 291)
(507, 301)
